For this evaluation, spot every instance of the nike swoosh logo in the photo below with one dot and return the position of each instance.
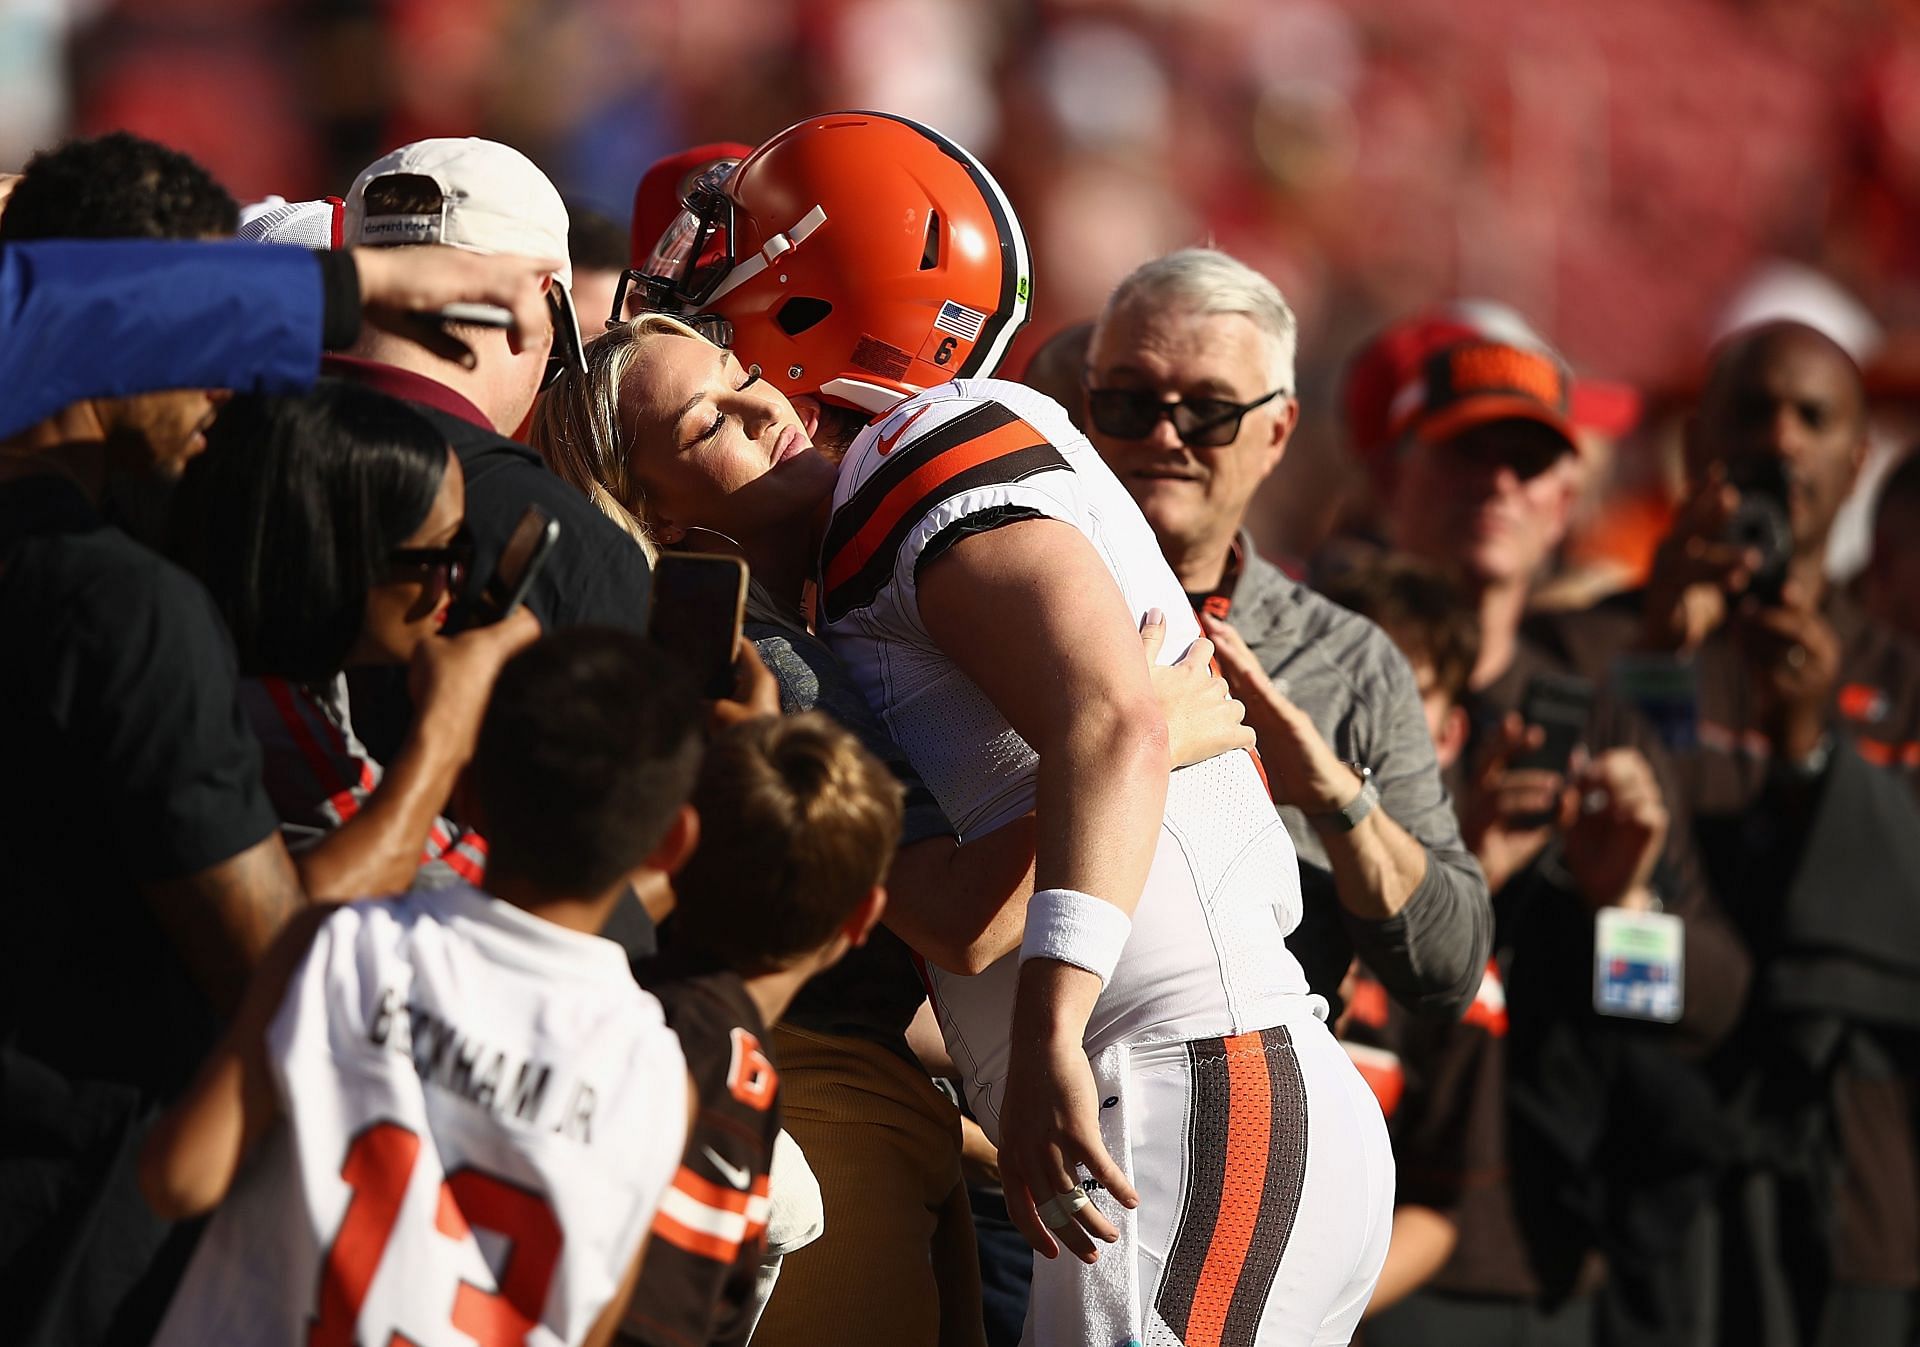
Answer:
(736, 1175)
(887, 442)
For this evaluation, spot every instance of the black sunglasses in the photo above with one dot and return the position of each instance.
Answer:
(1201, 423)
(456, 559)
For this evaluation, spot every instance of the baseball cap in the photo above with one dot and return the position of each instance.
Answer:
(1385, 389)
(301, 224)
(1476, 382)
(474, 194)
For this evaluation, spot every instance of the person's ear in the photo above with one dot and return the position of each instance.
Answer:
(1284, 421)
(810, 411)
(860, 923)
(673, 849)
(1452, 740)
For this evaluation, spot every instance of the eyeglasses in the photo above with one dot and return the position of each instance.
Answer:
(455, 559)
(1201, 423)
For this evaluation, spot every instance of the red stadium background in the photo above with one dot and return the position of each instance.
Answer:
(1625, 172)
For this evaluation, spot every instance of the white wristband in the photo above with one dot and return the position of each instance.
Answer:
(1075, 928)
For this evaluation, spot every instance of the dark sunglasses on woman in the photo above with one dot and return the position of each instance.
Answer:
(455, 560)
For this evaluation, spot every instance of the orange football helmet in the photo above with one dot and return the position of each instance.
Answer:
(858, 256)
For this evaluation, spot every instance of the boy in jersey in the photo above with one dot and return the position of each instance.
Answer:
(798, 826)
(451, 1116)
(982, 574)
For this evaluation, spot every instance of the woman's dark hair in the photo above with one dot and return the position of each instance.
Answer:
(290, 515)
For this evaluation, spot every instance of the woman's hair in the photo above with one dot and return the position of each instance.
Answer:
(578, 429)
(290, 515)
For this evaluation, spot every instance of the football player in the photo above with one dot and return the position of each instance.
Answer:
(981, 571)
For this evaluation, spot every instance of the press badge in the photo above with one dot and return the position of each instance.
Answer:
(1638, 964)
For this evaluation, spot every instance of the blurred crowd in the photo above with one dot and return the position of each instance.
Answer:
(1529, 437)
(1632, 177)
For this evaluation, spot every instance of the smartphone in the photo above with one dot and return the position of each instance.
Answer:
(1763, 521)
(528, 547)
(699, 602)
(1560, 704)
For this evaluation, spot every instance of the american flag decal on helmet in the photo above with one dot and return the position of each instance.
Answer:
(960, 321)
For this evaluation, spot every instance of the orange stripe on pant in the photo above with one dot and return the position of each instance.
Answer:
(1249, 1136)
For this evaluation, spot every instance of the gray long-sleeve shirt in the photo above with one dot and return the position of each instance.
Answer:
(1359, 691)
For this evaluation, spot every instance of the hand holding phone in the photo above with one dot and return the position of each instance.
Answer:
(528, 547)
(699, 605)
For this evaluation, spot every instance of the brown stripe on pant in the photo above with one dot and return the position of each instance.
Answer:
(896, 1266)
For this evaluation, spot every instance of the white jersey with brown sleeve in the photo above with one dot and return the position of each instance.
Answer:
(1207, 954)
(480, 1111)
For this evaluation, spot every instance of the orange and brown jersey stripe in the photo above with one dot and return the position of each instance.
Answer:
(712, 1220)
(986, 446)
(1247, 1151)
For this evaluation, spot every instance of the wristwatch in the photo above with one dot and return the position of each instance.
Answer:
(1348, 816)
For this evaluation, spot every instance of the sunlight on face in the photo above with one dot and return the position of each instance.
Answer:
(715, 446)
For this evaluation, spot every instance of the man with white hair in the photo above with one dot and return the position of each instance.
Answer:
(1190, 400)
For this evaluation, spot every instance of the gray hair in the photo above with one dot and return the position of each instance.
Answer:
(1208, 281)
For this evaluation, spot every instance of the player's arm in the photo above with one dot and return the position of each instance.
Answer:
(964, 907)
(1031, 614)
(189, 1159)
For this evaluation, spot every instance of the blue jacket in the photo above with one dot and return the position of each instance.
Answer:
(86, 320)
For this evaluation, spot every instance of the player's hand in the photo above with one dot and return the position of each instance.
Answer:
(1615, 823)
(8, 181)
(1302, 769)
(1203, 720)
(1695, 569)
(1050, 1119)
(452, 677)
(400, 285)
(1506, 815)
(756, 692)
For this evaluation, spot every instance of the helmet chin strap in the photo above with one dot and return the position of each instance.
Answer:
(774, 248)
(874, 398)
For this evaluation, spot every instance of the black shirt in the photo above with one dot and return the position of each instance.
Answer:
(596, 573)
(129, 763)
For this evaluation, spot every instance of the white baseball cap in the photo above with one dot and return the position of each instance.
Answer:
(468, 193)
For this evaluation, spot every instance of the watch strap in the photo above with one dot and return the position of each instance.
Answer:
(1350, 815)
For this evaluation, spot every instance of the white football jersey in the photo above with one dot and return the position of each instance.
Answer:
(480, 1112)
(1207, 953)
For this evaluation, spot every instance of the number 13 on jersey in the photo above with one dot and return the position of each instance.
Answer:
(378, 1169)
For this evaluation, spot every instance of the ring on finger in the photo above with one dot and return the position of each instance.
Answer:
(1796, 656)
